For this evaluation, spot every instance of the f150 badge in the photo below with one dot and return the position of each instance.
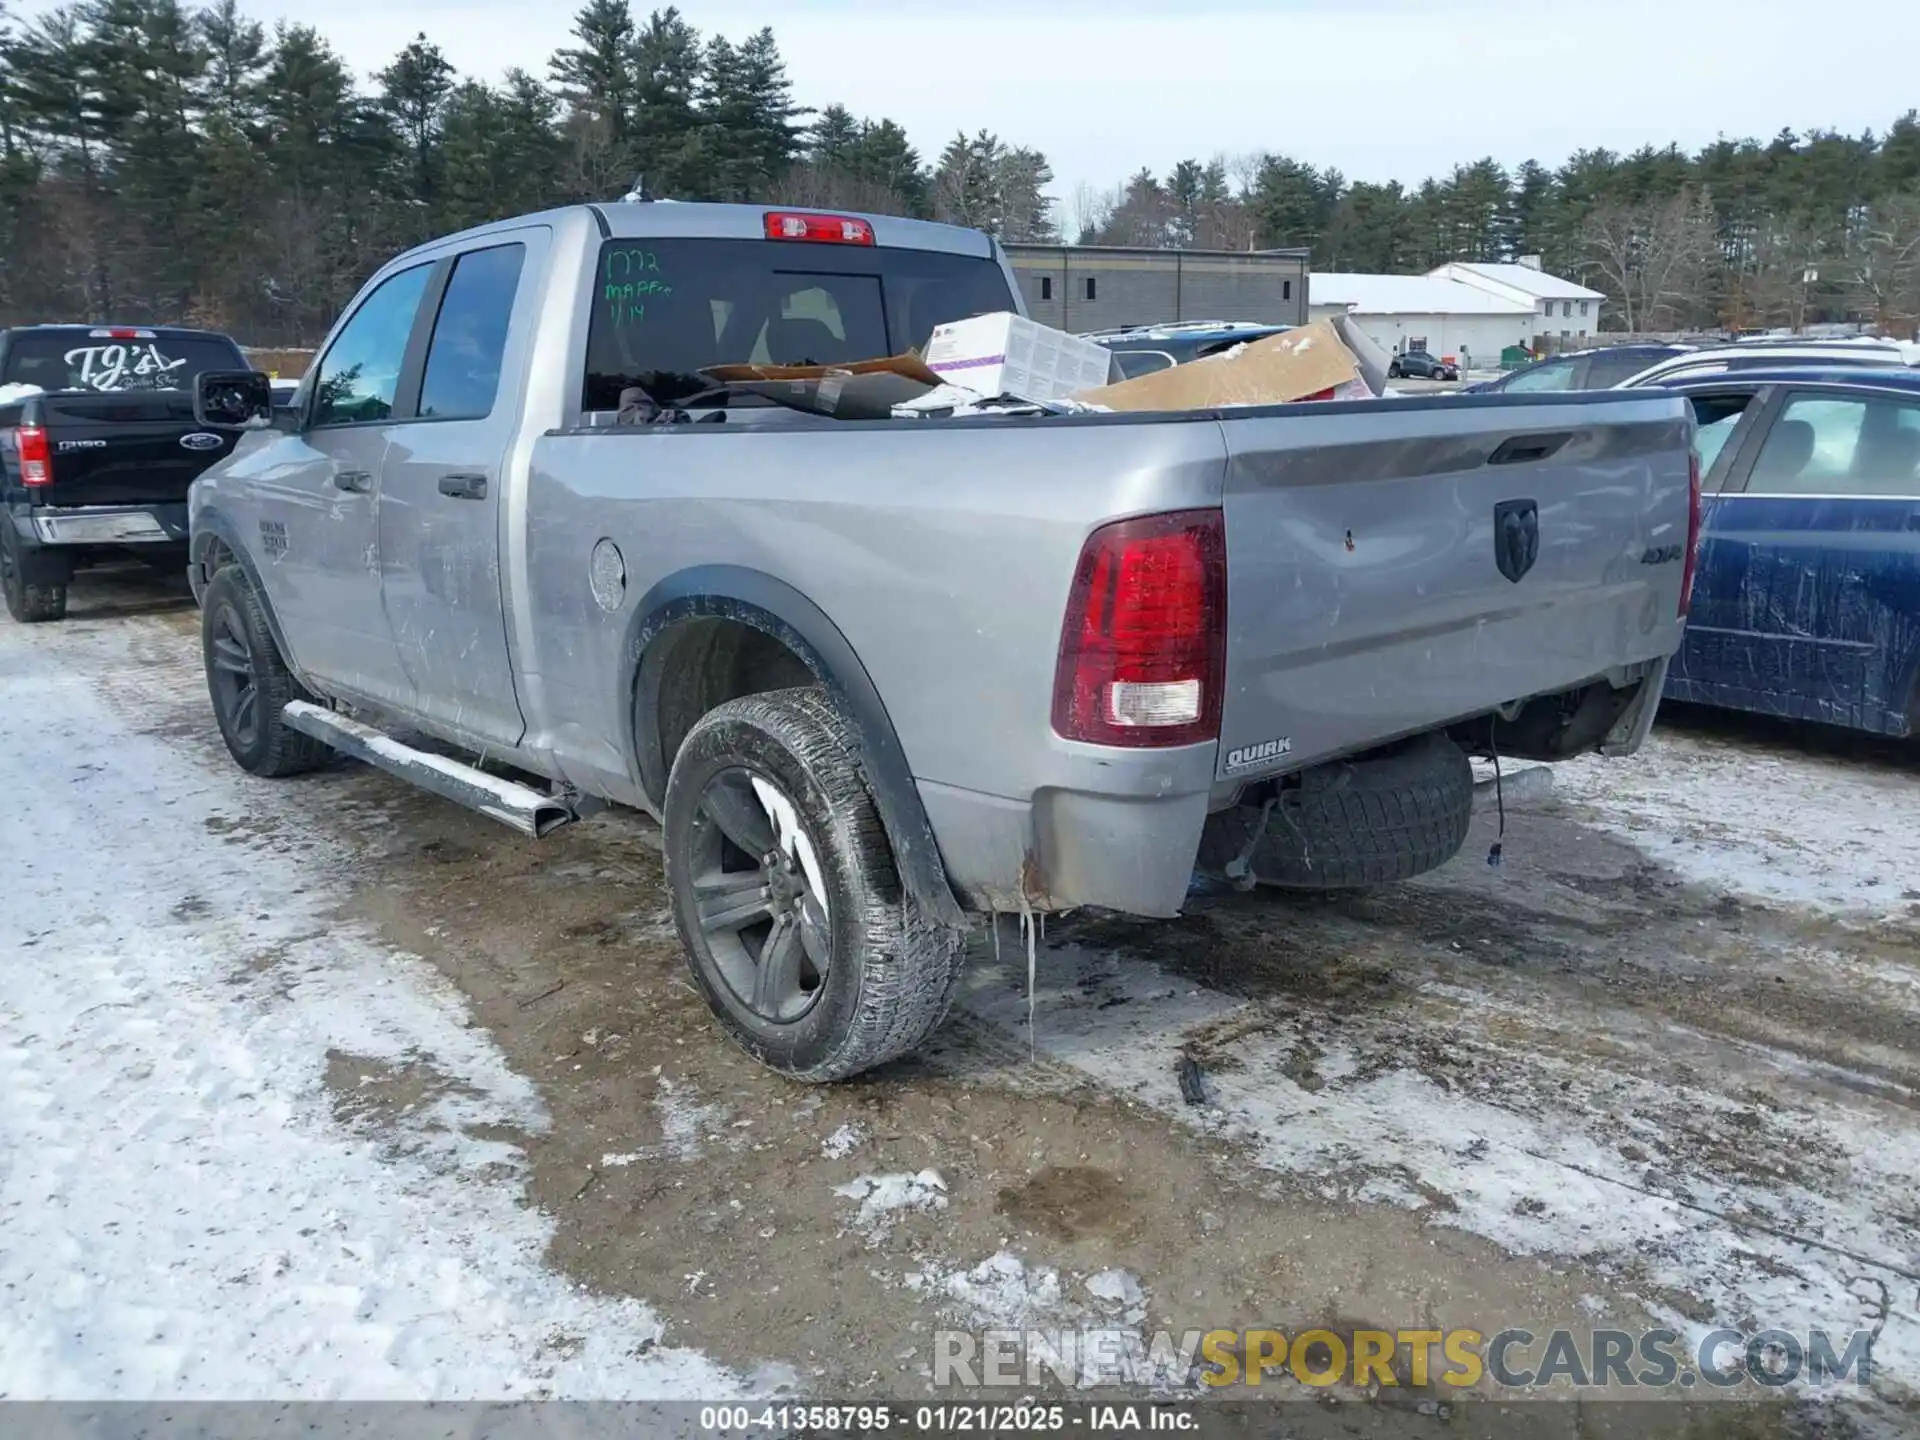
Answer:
(1252, 757)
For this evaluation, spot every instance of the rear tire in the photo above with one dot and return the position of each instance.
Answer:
(35, 586)
(864, 978)
(249, 682)
(1368, 821)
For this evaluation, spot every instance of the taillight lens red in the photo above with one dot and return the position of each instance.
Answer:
(36, 456)
(1693, 534)
(825, 229)
(1144, 648)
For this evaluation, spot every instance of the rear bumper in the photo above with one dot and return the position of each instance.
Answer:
(103, 524)
(1130, 846)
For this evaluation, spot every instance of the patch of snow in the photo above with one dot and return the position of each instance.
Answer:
(1093, 1344)
(1002, 1292)
(884, 1198)
(187, 1214)
(1116, 1287)
(843, 1142)
(1796, 829)
(14, 394)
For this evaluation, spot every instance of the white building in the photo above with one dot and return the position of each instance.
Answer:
(1442, 316)
(1561, 310)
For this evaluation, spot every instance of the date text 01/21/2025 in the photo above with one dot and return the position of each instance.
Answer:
(961, 1418)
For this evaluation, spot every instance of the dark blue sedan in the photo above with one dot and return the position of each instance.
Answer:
(1806, 602)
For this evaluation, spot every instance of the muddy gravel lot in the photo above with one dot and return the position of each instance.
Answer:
(1660, 1066)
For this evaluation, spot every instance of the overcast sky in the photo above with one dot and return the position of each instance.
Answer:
(1383, 89)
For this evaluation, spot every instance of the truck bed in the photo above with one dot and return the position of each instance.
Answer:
(1366, 601)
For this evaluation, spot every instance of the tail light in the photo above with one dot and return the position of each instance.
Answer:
(36, 456)
(1143, 651)
(1693, 533)
(824, 229)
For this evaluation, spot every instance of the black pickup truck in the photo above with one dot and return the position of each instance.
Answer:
(98, 444)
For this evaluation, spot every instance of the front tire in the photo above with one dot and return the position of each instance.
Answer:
(786, 895)
(35, 588)
(249, 682)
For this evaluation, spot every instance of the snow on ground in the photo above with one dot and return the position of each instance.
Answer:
(185, 1214)
(1557, 1120)
(1801, 829)
(882, 1199)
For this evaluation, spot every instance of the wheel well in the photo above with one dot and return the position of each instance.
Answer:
(698, 665)
(214, 552)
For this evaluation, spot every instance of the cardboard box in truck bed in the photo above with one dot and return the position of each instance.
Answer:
(1007, 354)
(1310, 363)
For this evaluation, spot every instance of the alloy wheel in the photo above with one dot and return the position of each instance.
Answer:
(760, 895)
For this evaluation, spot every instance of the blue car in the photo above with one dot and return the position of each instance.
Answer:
(1806, 600)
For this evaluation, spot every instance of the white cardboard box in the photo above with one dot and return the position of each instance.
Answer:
(1007, 354)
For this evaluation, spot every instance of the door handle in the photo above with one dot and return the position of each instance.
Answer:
(464, 487)
(358, 481)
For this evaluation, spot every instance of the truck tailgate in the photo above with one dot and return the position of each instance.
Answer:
(132, 448)
(1381, 579)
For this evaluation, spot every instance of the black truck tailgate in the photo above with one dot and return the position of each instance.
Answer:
(133, 448)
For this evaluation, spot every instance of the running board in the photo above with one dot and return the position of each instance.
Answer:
(527, 810)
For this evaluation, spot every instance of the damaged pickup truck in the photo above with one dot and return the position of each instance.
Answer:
(876, 677)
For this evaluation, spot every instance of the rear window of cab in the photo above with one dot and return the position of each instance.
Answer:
(664, 310)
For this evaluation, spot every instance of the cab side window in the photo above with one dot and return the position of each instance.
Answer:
(359, 377)
(470, 335)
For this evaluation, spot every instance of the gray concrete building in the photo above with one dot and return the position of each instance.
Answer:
(1097, 287)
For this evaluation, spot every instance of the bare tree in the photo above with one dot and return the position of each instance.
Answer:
(1886, 269)
(1652, 258)
(1090, 210)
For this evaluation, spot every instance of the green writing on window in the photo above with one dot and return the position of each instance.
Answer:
(626, 300)
(625, 264)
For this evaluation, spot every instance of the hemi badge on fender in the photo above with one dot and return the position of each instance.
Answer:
(1252, 757)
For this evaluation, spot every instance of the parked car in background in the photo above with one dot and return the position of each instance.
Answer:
(1806, 602)
(1770, 354)
(1143, 349)
(1598, 369)
(98, 444)
(1419, 365)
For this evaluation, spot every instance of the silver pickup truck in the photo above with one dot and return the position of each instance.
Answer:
(875, 677)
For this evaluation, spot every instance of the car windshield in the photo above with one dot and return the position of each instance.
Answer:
(664, 310)
(98, 360)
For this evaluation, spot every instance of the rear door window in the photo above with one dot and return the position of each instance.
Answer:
(1834, 445)
(470, 335)
(664, 310)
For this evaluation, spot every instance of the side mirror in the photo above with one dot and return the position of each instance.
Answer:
(233, 399)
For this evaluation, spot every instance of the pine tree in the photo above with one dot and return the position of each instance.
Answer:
(414, 90)
(666, 64)
(597, 84)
